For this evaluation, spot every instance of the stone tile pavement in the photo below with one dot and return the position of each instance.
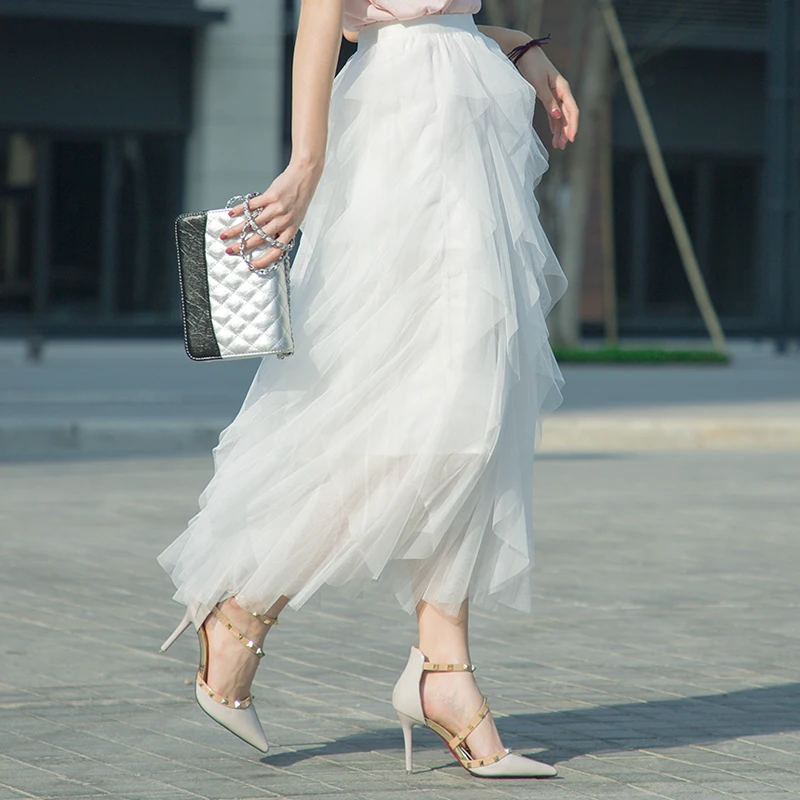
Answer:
(662, 660)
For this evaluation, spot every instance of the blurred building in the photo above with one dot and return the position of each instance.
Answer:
(116, 116)
(722, 83)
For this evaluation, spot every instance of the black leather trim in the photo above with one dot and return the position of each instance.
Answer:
(198, 329)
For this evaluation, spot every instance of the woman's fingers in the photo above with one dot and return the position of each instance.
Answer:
(274, 253)
(555, 113)
(277, 213)
(556, 120)
(569, 107)
(271, 228)
(548, 100)
(562, 110)
(259, 206)
(261, 214)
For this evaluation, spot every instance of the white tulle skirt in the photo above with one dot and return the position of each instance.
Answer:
(398, 442)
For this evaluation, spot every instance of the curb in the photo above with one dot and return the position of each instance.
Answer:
(603, 433)
(563, 432)
(97, 437)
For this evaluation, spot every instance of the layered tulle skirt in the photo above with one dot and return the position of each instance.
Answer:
(397, 444)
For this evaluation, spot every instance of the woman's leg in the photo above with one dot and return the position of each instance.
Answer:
(452, 698)
(231, 667)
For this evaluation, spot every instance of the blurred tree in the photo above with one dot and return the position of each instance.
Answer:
(566, 191)
(592, 53)
(524, 15)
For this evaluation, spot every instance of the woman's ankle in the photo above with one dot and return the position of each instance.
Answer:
(455, 651)
(271, 613)
(443, 637)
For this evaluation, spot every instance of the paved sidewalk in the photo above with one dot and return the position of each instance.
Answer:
(662, 660)
(149, 397)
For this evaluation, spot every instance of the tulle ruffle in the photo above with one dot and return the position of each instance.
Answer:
(397, 443)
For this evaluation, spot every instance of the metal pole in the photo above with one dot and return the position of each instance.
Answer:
(793, 265)
(109, 231)
(42, 263)
(777, 146)
(661, 177)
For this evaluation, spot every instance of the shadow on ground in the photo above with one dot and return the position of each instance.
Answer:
(704, 719)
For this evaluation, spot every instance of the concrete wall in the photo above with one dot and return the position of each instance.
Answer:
(235, 146)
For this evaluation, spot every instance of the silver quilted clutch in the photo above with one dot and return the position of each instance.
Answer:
(230, 309)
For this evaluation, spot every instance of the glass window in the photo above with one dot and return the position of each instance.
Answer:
(149, 196)
(76, 202)
(731, 265)
(719, 198)
(18, 165)
(107, 243)
(623, 178)
(668, 290)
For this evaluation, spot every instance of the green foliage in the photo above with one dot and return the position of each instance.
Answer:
(650, 355)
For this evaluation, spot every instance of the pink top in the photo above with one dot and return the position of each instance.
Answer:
(358, 13)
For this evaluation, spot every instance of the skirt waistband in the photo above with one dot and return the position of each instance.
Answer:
(402, 29)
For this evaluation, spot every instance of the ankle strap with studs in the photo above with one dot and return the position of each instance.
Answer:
(427, 666)
(245, 640)
(264, 618)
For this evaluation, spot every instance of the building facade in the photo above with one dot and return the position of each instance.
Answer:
(115, 117)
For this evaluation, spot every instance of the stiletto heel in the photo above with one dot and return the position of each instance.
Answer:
(407, 703)
(182, 626)
(237, 716)
(408, 732)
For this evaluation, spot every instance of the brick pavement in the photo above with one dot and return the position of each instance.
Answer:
(662, 660)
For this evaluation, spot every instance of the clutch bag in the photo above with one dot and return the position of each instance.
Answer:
(230, 308)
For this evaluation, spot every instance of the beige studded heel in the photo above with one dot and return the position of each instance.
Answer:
(407, 703)
(237, 715)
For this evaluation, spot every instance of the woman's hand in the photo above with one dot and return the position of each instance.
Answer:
(555, 94)
(279, 211)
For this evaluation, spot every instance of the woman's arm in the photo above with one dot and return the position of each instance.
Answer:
(551, 86)
(284, 204)
(351, 36)
(316, 53)
(507, 38)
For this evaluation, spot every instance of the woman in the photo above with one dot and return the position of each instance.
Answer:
(397, 442)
